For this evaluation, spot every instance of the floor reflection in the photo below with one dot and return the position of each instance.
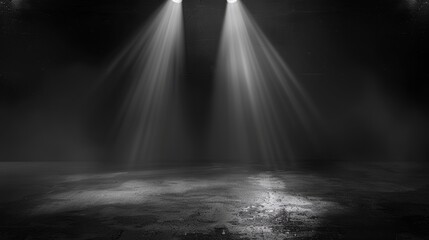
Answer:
(217, 203)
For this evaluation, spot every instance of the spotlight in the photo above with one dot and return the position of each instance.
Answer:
(257, 96)
(151, 62)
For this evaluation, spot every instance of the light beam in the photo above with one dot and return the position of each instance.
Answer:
(150, 66)
(260, 102)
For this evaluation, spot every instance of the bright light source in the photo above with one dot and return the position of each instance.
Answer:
(177, 1)
(231, 1)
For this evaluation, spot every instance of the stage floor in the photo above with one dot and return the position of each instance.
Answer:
(371, 201)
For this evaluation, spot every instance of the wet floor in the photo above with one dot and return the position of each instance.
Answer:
(374, 201)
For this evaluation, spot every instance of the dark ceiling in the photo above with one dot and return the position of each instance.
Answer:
(316, 37)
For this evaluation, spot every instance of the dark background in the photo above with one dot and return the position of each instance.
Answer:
(364, 64)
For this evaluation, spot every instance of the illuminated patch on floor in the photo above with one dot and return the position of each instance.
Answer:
(243, 203)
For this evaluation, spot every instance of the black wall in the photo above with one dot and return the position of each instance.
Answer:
(362, 62)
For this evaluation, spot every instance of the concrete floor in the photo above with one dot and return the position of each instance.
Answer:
(371, 201)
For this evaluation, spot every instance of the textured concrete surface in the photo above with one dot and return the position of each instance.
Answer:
(351, 202)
